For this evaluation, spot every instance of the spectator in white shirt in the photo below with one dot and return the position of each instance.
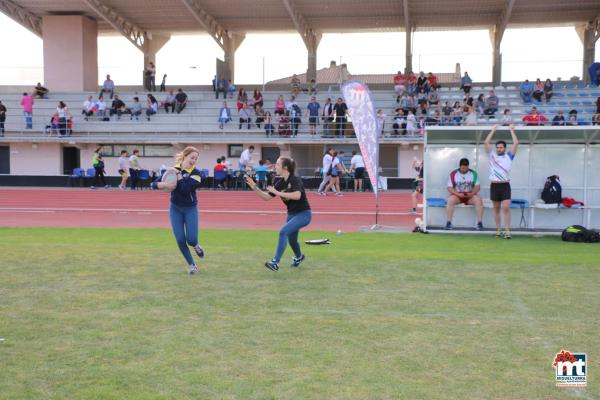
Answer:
(88, 107)
(246, 162)
(357, 164)
(169, 102)
(100, 107)
(327, 163)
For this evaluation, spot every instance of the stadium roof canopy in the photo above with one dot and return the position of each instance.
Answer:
(176, 16)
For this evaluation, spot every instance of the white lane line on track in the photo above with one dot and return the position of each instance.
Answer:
(148, 211)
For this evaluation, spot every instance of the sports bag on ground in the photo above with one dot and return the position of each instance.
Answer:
(578, 233)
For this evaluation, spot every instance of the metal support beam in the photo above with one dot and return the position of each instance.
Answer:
(22, 16)
(218, 32)
(496, 35)
(132, 32)
(408, 28)
(310, 37)
(589, 35)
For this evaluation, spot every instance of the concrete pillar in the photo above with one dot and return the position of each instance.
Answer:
(588, 38)
(312, 44)
(231, 45)
(496, 57)
(70, 53)
(151, 47)
(408, 68)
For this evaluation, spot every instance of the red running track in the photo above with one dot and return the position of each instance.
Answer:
(69, 207)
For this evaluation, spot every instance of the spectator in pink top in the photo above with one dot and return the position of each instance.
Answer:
(27, 103)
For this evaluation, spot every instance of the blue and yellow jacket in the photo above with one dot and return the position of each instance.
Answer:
(184, 194)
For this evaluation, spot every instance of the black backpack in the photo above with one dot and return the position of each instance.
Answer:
(552, 193)
(577, 233)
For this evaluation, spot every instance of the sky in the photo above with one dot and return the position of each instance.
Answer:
(527, 53)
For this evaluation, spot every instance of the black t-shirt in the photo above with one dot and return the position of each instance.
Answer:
(181, 97)
(340, 109)
(116, 104)
(293, 184)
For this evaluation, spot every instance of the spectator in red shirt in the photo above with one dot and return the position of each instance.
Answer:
(534, 118)
(399, 83)
(219, 166)
(433, 81)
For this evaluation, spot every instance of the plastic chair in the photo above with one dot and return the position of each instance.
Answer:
(219, 178)
(78, 173)
(143, 177)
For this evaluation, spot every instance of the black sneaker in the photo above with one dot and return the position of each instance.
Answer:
(199, 251)
(449, 226)
(479, 226)
(272, 265)
(297, 261)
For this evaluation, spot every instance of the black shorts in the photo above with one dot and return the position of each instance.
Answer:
(500, 191)
(359, 173)
(313, 120)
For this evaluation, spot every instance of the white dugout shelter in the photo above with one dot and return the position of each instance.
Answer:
(572, 153)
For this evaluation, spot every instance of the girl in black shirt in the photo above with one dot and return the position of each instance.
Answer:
(291, 191)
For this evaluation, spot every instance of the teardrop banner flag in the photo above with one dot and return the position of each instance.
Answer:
(366, 125)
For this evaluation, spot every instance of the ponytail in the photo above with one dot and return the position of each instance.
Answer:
(289, 164)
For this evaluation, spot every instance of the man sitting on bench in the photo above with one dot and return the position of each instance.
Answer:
(463, 186)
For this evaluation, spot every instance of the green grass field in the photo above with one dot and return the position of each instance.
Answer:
(111, 314)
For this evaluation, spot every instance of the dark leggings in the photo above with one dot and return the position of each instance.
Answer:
(133, 173)
(99, 174)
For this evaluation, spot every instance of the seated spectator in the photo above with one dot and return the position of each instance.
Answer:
(259, 113)
(534, 118)
(480, 104)
(313, 88)
(283, 125)
(3, 111)
(422, 110)
(280, 105)
(40, 92)
(136, 108)
(526, 91)
(598, 103)
(53, 126)
(411, 103)
(245, 116)
(434, 97)
(573, 118)
(422, 82)
(230, 88)
(471, 118)
(101, 107)
(261, 174)
(412, 126)
(559, 119)
(402, 100)
(181, 100)
(596, 119)
(224, 115)
(433, 119)
(295, 84)
(422, 96)
(269, 129)
(466, 82)
(242, 99)
(258, 99)
(170, 101)
(457, 115)
(221, 86)
(538, 90)
(548, 90)
(151, 106)
(491, 104)
(117, 107)
(399, 83)
(463, 187)
(411, 83)
(399, 122)
(506, 119)
(219, 166)
(433, 81)
(107, 87)
(89, 106)
(447, 114)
